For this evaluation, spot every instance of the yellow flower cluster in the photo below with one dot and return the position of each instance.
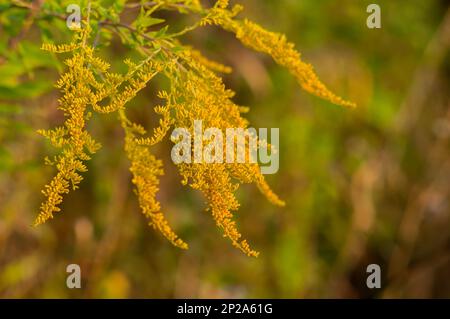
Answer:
(61, 48)
(196, 93)
(146, 170)
(212, 65)
(75, 141)
(200, 94)
(165, 122)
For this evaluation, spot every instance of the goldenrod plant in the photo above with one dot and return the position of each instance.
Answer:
(196, 92)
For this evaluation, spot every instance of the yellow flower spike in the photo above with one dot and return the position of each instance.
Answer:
(75, 142)
(274, 44)
(197, 57)
(146, 170)
(61, 48)
(196, 95)
(284, 54)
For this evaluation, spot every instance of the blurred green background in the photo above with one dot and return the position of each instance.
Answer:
(362, 187)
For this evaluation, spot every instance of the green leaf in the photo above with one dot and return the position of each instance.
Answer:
(149, 21)
(144, 20)
(161, 32)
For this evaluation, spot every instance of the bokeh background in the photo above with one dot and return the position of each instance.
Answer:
(362, 187)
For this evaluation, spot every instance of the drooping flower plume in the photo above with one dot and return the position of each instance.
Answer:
(196, 93)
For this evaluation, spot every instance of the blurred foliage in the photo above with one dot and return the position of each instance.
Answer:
(361, 187)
